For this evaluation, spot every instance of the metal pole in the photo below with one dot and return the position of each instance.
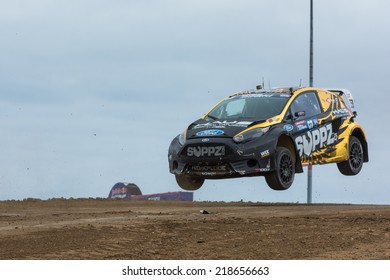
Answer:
(310, 167)
(311, 43)
(309, 183)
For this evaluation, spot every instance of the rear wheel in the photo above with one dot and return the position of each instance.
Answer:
(354, 164)
(283, 175)
(189, 183)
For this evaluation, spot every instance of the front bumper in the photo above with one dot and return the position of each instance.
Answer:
(217, 158)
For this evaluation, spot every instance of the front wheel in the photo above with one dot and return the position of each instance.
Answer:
(283, 175)
(189, 183)
(354, 164)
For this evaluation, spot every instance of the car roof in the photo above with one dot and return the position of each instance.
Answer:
(275, 91)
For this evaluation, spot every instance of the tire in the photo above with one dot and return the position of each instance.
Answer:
(354, 164)
(189, 183)
(283, 175)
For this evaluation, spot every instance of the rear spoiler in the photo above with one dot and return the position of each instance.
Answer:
(347, 96)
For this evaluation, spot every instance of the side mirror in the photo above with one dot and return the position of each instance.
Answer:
(288, 117)
(354, 115)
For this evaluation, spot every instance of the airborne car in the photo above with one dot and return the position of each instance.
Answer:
(271, 134)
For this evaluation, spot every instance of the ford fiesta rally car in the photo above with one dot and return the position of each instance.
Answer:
(272, 134)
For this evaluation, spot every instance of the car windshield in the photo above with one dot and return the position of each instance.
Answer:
(250, 106)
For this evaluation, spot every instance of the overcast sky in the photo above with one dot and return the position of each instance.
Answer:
(92, 92)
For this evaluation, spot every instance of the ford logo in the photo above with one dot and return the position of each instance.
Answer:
(210, 132)
(288, 127)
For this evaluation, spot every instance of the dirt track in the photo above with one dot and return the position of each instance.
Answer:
(113, 229)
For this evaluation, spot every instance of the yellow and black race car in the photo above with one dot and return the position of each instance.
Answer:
(272, 134)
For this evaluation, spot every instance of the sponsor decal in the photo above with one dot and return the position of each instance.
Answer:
(288, 127)
(254, 95)
(262, 169)
(343, 112)
(262, 95)
(315, 140)
(265, 169)
(312, 123)
(223, 124)
(264, 154)
(210, 132)
(304, 125)
(214, 168)
(199, 151)
(301, 125)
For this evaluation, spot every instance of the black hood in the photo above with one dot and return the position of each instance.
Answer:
(217, 128)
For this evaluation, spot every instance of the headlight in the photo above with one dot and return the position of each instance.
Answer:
(250, 135)
(182, 138)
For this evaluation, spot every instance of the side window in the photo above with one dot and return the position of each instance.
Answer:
(326, 100)
(308, 103)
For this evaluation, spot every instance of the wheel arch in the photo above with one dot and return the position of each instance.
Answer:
(359, 134)
(287, 142)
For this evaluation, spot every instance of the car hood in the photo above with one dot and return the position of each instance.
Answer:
(217, 128)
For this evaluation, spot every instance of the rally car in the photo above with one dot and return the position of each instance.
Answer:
(272, 134)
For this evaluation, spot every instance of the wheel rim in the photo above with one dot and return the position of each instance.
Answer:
(286, 169)
(356, 156)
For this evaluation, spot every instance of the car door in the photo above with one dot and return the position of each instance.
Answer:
(309, 135)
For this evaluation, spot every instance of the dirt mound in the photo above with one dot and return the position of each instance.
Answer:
(117, 229)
